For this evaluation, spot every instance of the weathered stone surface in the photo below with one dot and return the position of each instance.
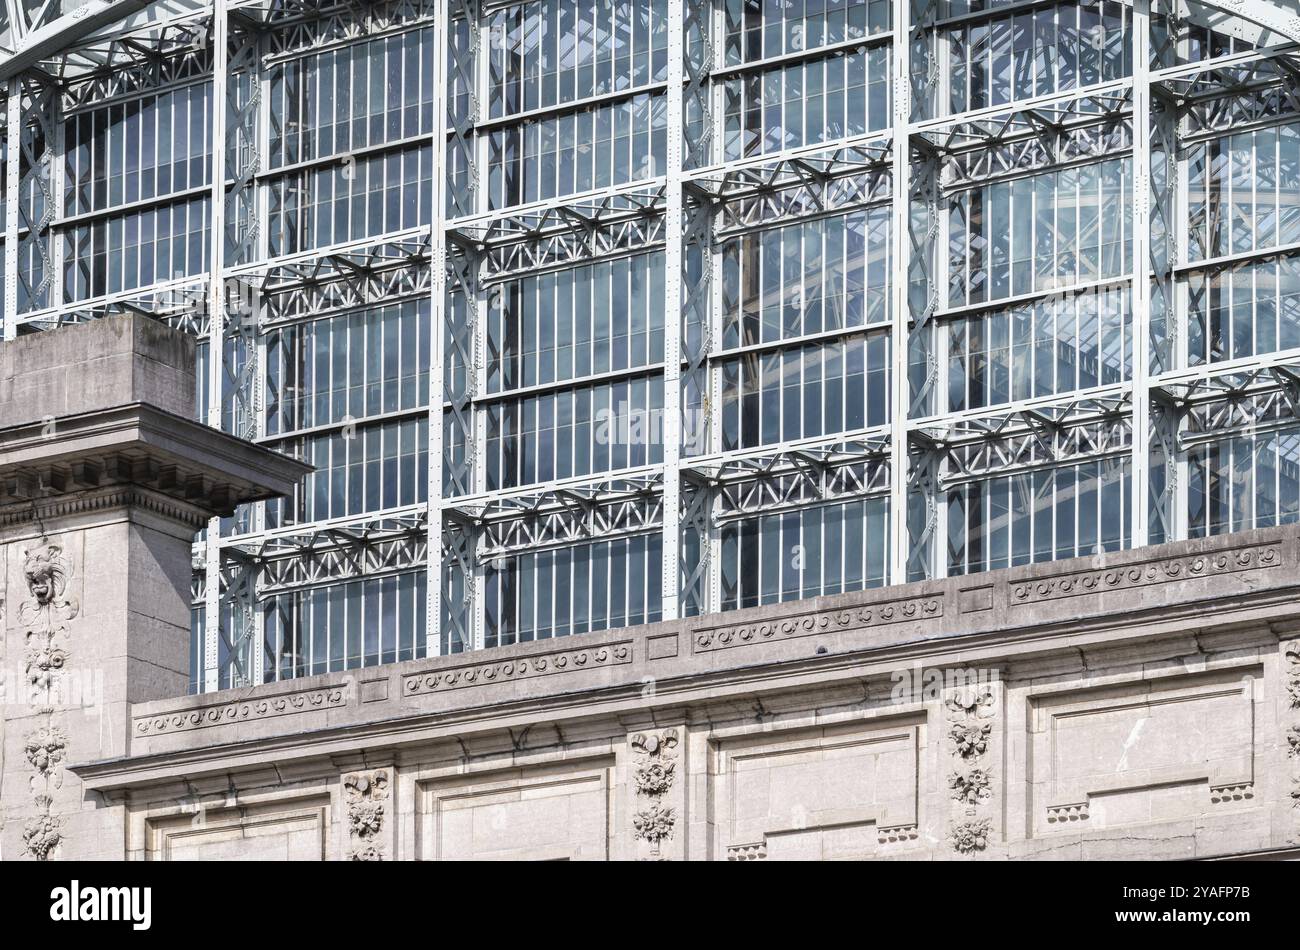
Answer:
(102, 364)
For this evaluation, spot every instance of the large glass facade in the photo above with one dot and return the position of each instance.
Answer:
(591, 314)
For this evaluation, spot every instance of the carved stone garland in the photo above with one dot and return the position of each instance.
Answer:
(366, 794)
(44, 617)
(653, 774)
(971, 781)
(1291, 671)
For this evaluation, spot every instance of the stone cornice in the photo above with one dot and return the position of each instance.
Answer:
(1170, 608)
(318, 739)
(47, 510)
(137, 445)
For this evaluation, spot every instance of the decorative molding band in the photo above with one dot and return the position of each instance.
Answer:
(1221, 794)
(1190, 567)
(524, 667)
(1060, 814)
(747, 852)
(926, 607)
(91, 501)
(891, 834)
(223, 714)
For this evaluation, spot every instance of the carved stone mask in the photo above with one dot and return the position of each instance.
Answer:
(41, 585)
(45, 576)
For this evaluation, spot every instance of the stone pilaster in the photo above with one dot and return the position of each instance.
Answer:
(657, 793)
(970, 738)
(370, 815)
(1291, 726)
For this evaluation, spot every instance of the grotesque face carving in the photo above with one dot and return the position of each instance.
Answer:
(46, 570)
(42, 585)
(45, 573)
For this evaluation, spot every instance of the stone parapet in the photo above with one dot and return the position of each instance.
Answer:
(1131, 704)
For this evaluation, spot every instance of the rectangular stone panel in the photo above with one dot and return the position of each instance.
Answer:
(1152, 750)
(273, 834)
(842, 791)
(542, 813)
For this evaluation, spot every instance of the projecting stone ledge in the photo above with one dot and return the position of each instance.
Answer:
(100, 415)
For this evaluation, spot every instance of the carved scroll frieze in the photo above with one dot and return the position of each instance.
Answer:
(1189, 567)
(909, 610)
(366, 797)
(653, 773)
(284, 704)
(524, 667)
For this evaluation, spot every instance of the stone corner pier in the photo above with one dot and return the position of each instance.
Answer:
(105, 478)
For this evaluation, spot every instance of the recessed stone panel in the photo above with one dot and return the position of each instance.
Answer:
(843, 791)
(541, 813)
(1151, 750)
(284, 834)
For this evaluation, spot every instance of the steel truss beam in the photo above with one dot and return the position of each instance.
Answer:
(1053, 132)
(35, 114)
(301, 26)
(1228, 95)
(237, 615)
(796, 476)
(159, 54)
(462, 307)
(314, 555)
(47, 28)
(1030, 435)
(1163, 223)
(463, 107)
(180, 304)
(346, 277)
(799, 185)
(564, 232)
(548, 517)
(697, 95)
